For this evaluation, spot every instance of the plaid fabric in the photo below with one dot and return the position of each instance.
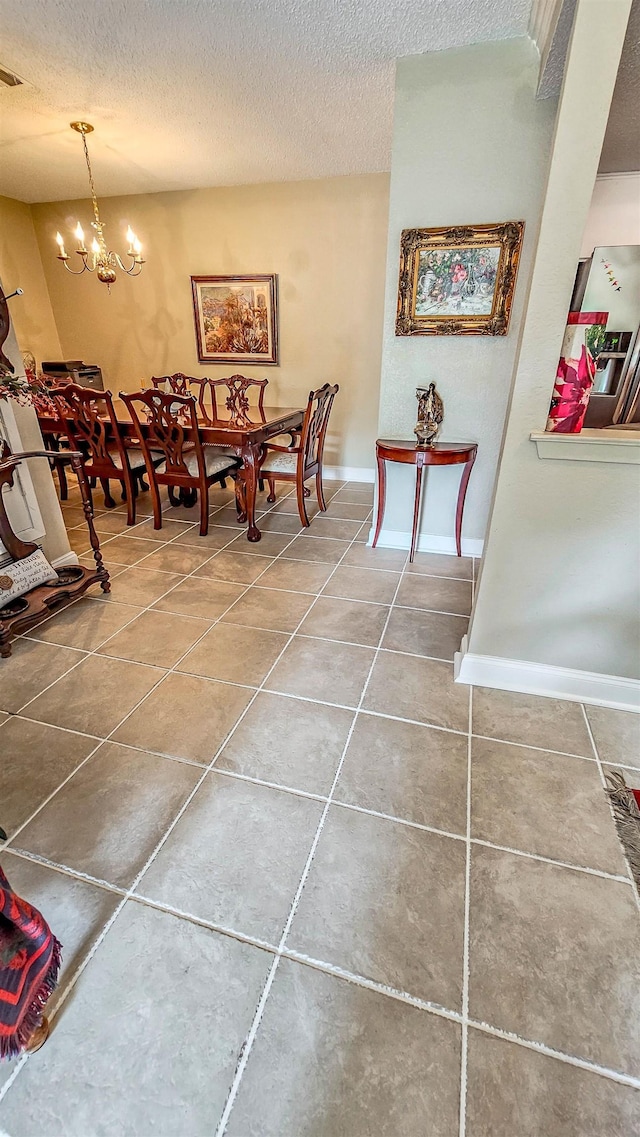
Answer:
(29, 964)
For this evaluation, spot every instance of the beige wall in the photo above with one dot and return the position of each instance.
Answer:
(21, 267)
(471, 144)
(326, 241)
(560, 579)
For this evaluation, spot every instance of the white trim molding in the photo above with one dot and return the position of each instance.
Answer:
(543, 679)
(62, 562)
(349, 473)
(427, 542)
(606, 445)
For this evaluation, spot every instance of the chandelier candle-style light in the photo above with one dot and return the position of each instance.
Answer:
(99, 259)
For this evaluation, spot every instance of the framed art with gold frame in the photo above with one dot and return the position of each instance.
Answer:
(236, 318)
(458, 280)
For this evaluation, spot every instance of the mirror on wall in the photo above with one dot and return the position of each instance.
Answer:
(609, 281)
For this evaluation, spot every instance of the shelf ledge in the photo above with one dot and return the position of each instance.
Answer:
(589, 446)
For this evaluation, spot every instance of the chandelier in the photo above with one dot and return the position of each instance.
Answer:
(99, 258)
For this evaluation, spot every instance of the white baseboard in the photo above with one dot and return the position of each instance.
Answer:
(427, 542)
(67, 559)
(348, 474)
(541, 679)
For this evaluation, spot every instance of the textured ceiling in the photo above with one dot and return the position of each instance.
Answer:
(621, 150)
(190, 93)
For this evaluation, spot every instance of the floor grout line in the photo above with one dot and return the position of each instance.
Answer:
(305, 872)
(466, 935)
(631, 878)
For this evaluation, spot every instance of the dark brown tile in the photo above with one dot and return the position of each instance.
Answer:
(331, 1058)
(554, 958)
(386, 901)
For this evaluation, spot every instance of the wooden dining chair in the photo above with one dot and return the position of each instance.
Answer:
(179, 383)
(91, 425)
(234, 393)
(168, 423)
(56, 442)
(302, 460)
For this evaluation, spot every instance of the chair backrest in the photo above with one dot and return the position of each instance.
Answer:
(164, 423)
(91, 425)
(314, 427)
(179, 384)
(235, 392)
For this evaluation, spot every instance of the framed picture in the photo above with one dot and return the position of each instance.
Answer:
(236, 318)
(458, 281)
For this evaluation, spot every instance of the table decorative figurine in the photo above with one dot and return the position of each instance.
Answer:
(430, 414)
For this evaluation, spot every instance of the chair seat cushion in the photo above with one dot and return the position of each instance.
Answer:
(215, 463)
(278, 463)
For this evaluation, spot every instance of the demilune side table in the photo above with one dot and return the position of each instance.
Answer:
(437, 454)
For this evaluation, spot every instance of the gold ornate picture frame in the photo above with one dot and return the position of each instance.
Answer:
(236, 318)
(458, 280)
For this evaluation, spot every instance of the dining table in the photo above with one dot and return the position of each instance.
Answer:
(244, 432)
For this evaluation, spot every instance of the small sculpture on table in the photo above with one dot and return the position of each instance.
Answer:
(430, 414)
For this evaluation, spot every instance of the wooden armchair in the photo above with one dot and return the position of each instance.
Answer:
(302, 460)
(168, 423)
(92, 427)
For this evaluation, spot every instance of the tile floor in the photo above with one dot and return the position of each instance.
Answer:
(306, 885)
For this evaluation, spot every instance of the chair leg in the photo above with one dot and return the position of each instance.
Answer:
(204, 510)
(261, 485)
(241, 501)
(131, 497)
(272, 489)
(223, 483)
(108, 500)
(319, 492)
(157, 508)
(302, 509)
(62, 478)
(173, 497)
